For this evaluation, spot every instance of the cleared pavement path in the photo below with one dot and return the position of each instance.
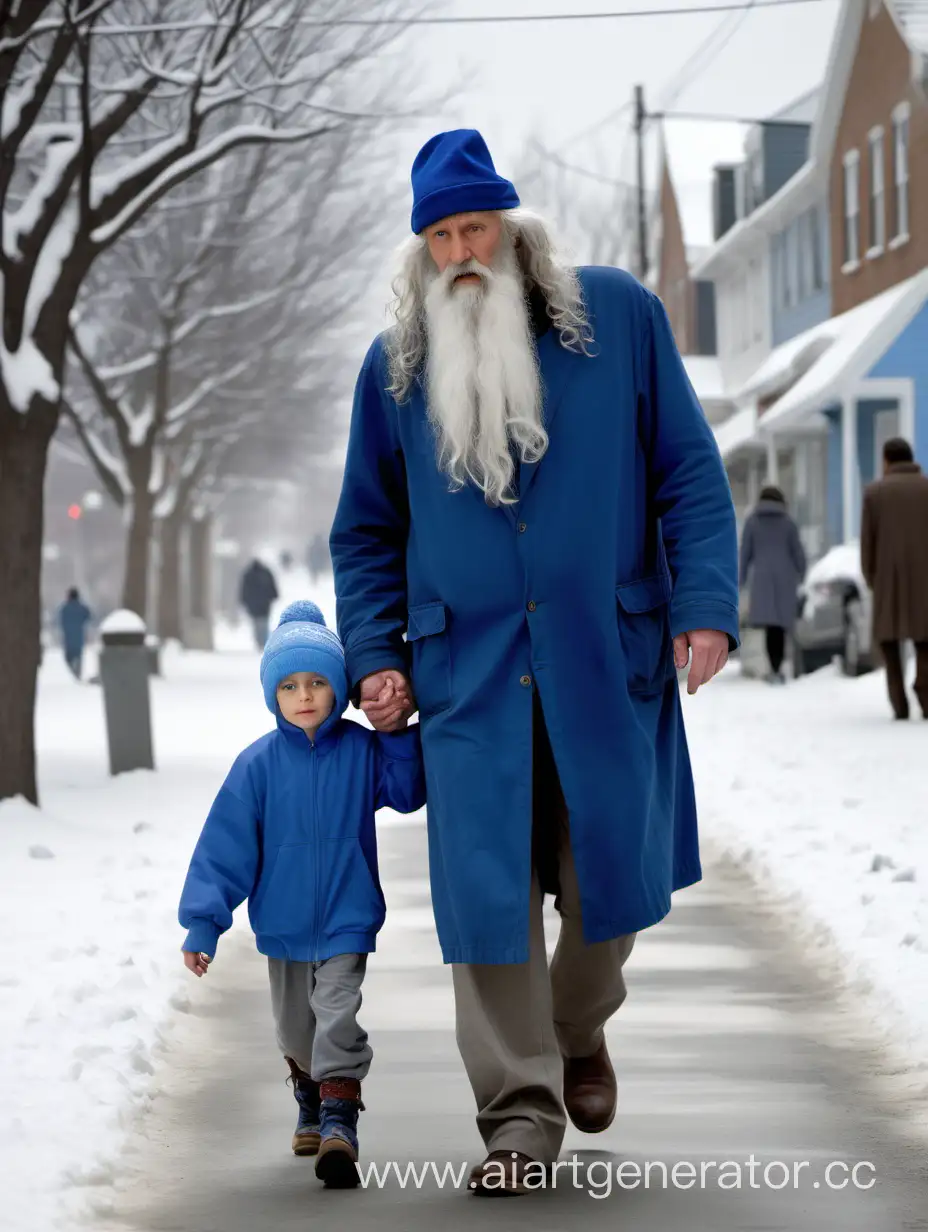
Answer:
(727, 1046)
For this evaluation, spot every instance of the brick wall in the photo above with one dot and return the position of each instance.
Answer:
(880, 80)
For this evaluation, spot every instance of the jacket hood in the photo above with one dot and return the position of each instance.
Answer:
(770, 508)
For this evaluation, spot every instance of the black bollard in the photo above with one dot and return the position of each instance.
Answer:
(124, 673)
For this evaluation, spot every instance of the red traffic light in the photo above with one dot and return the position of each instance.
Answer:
(74, 512)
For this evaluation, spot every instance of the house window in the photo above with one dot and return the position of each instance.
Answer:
(852, 210)
(789, 266)
(816, 256)
(901, 171)
(877, 194)
(758, 301)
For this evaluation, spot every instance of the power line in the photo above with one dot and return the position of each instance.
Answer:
(522, 18)
(705, 53)
(725, 119)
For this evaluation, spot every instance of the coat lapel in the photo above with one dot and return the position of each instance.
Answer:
(555, 363)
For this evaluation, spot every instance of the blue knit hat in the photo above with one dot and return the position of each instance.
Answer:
(454, 174)
(302, 643)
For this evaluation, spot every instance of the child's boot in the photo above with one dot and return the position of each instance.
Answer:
(306, 1092)
(338, 1147)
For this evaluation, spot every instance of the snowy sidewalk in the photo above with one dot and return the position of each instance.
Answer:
(820, 796)
(90, 964)
(722, 1051)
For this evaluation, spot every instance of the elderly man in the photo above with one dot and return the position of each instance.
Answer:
(535, 530)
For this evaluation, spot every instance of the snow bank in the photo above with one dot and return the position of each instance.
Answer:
(90, 965)
(821, 797)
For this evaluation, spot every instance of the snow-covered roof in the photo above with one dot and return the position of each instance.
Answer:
(692, 150)
(912, 16)
(123, 621)
(835, 354)
(736, 431)
(802, 110)
(705, 373)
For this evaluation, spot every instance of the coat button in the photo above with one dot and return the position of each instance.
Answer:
(532, 605)
(522, 528)
(526, 682)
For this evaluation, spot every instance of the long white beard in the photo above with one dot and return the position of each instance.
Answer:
(484, 389)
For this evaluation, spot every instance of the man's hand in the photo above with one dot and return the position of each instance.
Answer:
(710, 654)
(387, 700)
(197, 963)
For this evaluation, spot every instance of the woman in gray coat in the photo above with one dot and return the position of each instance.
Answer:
(773, 562)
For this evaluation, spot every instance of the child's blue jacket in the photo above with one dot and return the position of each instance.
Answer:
(292, 830)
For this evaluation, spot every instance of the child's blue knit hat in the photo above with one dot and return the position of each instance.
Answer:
(302, 643)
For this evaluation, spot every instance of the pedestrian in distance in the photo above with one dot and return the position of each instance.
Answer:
(773, 564)
(292, 831)
(535, 530)
(258, 592)
(73, 618)
(317, 558)
(894, 559)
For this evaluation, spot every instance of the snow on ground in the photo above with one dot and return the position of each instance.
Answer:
(821, 797)
(90, 965)
(811, 788)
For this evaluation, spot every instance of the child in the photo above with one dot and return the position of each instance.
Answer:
(292, 830)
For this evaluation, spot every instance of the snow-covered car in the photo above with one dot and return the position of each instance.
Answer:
(834, 617)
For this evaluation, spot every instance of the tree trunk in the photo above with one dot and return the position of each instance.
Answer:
(170, 578)
(24, 442)
(138, 553)
(200, 621)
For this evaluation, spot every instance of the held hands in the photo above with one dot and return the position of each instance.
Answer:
(710, 654)
(387, 700)
(197, 963)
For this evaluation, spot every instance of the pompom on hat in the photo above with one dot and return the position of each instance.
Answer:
(303, 643)
(454, 174)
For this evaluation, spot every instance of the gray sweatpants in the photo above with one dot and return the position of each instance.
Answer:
(316, 1014)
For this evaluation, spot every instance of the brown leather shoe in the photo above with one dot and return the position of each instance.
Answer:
(590, 1091)
(501, 1175)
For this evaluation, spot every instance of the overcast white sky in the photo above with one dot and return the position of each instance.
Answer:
(556, 79)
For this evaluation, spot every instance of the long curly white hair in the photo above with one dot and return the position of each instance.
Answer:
(537, 255)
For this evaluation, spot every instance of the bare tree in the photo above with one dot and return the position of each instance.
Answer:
(592, 207)
(105, 107)
(240, 292)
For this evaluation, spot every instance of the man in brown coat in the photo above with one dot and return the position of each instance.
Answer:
(894, 556)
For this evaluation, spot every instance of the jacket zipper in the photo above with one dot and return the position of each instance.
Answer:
(316, 854)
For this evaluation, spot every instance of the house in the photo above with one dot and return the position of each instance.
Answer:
(845, 259)
(770, 268)
(680, 233)
(864, 376)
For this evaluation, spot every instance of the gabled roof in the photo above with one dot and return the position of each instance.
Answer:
(835, 354)
(690, 151)
(799, 191)
(912, 19)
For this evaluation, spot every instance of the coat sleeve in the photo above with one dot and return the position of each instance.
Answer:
(370, 533)
(868, 540)
(796, 550)
(223, 868)
(747, 552)
(690, 489)
(400, 773)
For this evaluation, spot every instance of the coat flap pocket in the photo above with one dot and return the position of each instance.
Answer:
(425, 620)
(645, 594)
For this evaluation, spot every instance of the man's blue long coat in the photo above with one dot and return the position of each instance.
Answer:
(624, 536)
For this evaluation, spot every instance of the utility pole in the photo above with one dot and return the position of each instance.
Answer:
(640, 117)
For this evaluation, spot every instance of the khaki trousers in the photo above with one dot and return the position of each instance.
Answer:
(517, 1021)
